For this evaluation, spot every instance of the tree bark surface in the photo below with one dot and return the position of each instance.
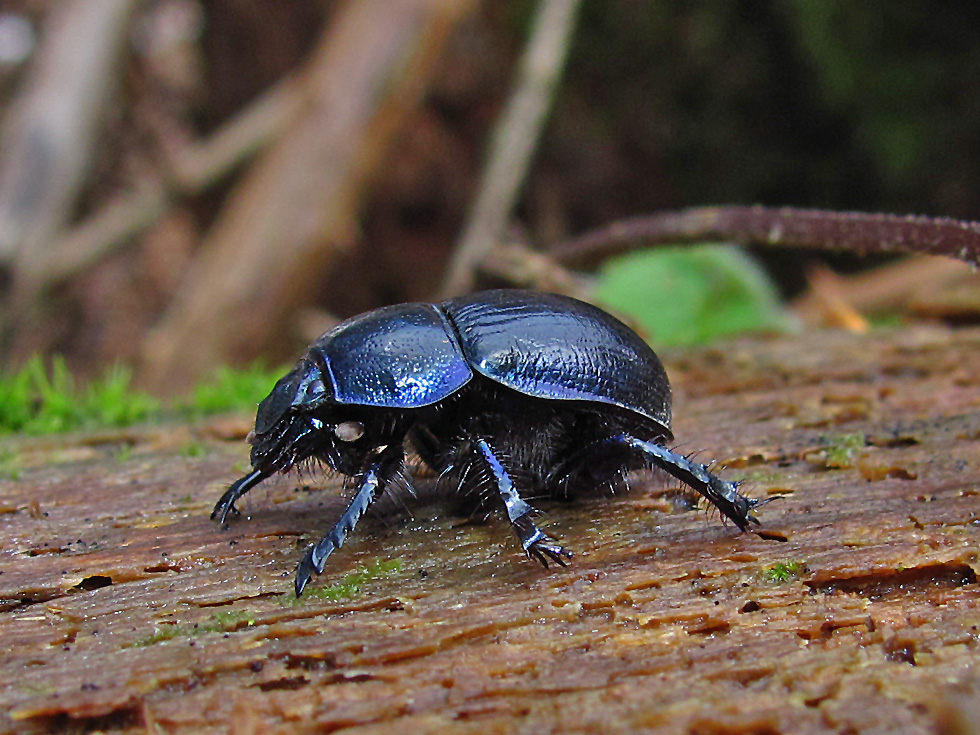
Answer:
(856, 609)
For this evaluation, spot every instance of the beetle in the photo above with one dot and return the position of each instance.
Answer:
(506, 393)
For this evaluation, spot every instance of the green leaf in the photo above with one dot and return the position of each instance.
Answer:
(692, 295)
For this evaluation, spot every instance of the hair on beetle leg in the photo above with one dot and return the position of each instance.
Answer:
(445, 478)
(402, 481)
(308, 467)
(470, 485)
(392, 508)
(528, 485)
(621, 480)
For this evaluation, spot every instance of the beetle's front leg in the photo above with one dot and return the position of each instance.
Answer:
(534, 541)
(373, 481)
(226, 504)
(722, 494)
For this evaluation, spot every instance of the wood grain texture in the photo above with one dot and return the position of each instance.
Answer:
(858, 610)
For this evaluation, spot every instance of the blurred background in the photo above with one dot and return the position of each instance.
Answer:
(192, 183)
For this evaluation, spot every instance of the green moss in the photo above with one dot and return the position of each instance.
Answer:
(842, 449)
(124, 452)
(232, 390)
(9, 464)
(232, 620)
(43, 399)
(192, 449)
(785, 572)
(220, 622)
(350, 584)
(166, 633)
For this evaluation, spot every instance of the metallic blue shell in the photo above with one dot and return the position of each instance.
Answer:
(414, 355)
(556, 347)
(403, 356)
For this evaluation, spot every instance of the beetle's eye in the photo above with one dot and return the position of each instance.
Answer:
(349, 431)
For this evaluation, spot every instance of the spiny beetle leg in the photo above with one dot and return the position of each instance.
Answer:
(373, 482)
(226, 504)
(536, 544)
(722, 494)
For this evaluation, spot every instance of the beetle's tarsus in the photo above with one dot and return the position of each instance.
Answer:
(222, 515)
(226, 504)
(544, 549)
(304, 572)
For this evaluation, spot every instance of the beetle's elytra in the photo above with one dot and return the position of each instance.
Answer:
(506, 393)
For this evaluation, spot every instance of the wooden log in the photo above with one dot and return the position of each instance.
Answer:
(855, 609)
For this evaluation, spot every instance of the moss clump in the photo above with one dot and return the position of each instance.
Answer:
(232, 390)
(220, 622)
(351, 583)
(9, 464)
(784, 572)
(842, 450)
(44, 399)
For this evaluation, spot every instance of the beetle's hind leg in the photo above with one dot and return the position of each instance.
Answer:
(534, 541)
(722, 494)
(373, 481)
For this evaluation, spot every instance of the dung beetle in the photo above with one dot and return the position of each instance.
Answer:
(505, 393)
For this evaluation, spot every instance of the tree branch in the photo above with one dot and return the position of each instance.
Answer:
(855, 232)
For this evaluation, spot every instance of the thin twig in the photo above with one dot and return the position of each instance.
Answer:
(525, 268)
(50, 132)
(855, 232)
(883, 289)
(250, 131)
(194, 169)
(514, 140)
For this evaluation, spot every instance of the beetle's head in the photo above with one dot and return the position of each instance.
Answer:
(300, 420)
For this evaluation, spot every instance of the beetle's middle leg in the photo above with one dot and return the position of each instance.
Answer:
(534, 541)
(373, 482)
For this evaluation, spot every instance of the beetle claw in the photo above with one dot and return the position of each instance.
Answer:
(229, 509)
(222, 510)
(304, 572)
(226, 503)
(544, 552)
(542, 548)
